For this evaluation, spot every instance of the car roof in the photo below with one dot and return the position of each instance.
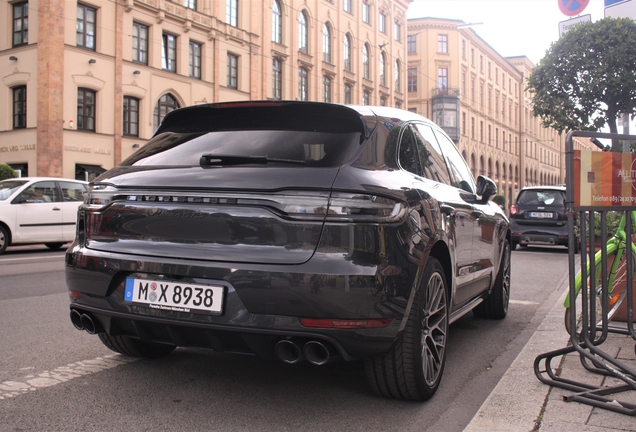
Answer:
(30, 179)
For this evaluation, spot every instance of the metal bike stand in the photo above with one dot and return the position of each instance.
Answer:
(595, 330)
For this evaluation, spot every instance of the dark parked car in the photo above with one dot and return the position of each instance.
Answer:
(538, 217)
(292, 230)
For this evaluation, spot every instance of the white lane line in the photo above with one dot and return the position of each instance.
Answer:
(9, 389)
(523, 302)
(38, 258)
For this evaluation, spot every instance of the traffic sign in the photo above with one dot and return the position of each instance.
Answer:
(573, 7)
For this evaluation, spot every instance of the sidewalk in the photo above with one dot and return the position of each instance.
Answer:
(520, 402)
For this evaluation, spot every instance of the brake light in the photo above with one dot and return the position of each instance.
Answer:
(344, 207)
(514, 210)
(346, 324)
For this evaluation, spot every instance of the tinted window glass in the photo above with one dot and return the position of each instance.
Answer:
(461, 175)
(431, 156)
(72, 191)
(541, 198)
(318, 149)
(408, 157)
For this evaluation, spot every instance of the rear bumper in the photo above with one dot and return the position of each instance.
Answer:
(263, 303)
(539, 235)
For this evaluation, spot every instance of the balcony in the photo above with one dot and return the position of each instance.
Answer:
(445, 105)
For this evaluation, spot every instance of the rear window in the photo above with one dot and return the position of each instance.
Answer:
(540, 198)
(317, 149)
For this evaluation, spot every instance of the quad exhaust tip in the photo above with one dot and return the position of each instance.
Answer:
(315, 352)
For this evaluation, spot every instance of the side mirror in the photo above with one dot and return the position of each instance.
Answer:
(486, 188)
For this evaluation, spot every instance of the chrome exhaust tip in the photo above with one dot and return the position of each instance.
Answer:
(288, 351)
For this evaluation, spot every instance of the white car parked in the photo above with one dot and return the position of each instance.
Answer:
(39, 210)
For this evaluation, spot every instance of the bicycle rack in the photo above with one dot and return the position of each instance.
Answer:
(595, 330)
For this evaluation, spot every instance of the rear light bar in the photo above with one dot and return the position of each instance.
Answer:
(296, 205)
(514, 210)
(345, 323)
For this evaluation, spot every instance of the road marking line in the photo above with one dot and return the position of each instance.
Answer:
(31, 258)
(523, 302)
(9, 389)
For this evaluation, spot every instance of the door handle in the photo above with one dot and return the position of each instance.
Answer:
(56, 209)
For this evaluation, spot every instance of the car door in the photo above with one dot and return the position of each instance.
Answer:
(484, 247)
(38, 214)
(72, 198)
(459, 212)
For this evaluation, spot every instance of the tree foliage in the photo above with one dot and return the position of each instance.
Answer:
(6, 172)
(587, 79)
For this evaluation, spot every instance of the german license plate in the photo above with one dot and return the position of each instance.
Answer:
(174, 296)
(541, 215)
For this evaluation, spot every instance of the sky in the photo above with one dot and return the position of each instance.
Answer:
(511, 27)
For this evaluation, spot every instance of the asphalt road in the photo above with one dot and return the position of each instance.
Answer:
(55, 378)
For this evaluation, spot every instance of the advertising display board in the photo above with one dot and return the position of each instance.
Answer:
(604, 179)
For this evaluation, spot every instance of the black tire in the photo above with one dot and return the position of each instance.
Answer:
(412, 369)
(495, 306)
(54, 246)
(135, 347)
(4, 239)
(617, 293)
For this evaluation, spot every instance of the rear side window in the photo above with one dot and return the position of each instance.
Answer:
(431, 156)
(72, 191)
(317, 149)
(541, 198)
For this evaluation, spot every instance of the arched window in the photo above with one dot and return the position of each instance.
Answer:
(366, 69)
(326, 43)
(398, 82)
(347, 52)
(303, 34)
(165, 104)
(383, 69)
(277, 75)
(473, 168)
(303, 84)
(277, 23)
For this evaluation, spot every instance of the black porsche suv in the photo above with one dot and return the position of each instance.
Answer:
(292, 230)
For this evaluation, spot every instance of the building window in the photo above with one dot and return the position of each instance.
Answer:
(347, 94)
(85, 26)
(464, 131)
(231, 12)
(442, 78)
(442, 43)
(411, 79)
(169, 52)
(398, 82)
(463, 49)
(326, 89)
(366, 67)
(472, 57)
(303, 84)
(347, 52)
(397, 34)
(382, 101)
(326, 43)
(140, 43)
(366, 15)
(85, 109)
(277, 73)
(346, 5)
(232, 71)
(20, 23)
(472, 127)
(411, 46)
(165, 104)
(277, 23)
(365, 97)
(19, 107)
(383, 69)
(131, 116)
(195, 60)
(303, 35)
(398, 105)
(481, 131)
(464, 90)
(190, 4)
(382, 23)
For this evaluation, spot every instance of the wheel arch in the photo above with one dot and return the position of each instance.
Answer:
(442, 253)
(8, 230)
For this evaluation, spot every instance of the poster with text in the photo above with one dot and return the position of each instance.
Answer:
(604, 179)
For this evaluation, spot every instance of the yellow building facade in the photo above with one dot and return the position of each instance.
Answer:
(478, 96)
(86, 83)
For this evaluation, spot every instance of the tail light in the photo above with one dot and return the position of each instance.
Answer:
(514, 210)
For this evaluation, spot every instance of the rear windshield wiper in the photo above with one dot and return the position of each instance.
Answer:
(214, 159)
